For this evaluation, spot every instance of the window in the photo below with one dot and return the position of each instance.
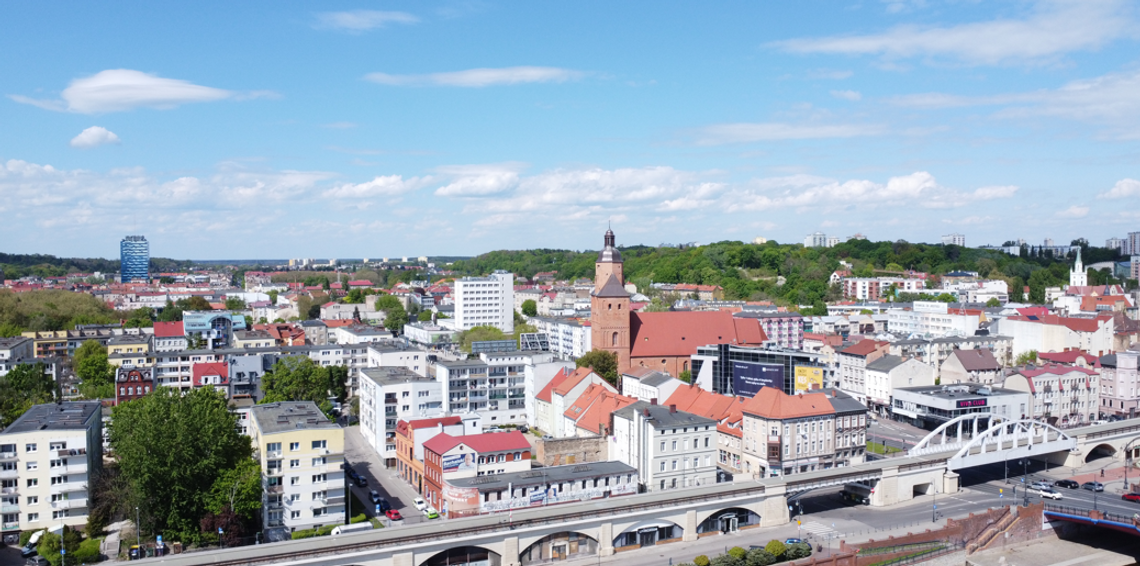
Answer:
(33, 465)
(294, 463)
(33, 517)
(318, 444)
(33, 482)
(33, 500)
(320, 461)
(273, 447)
(706, 442)
(674, 445)
(58, 480)
(662, 445)
(319, 478)
(59, 514)
(31, 447)
(294, 514)
(294, 446)
(674, 464)
(293, 480)
(58, 446)
(662, 467)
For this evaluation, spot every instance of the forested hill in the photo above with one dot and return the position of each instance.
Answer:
(15, 266)
(750, 271)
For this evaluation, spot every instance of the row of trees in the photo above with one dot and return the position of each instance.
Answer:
(50, 309)
(15, 266)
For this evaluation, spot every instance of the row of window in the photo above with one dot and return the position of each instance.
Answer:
(696, 462)
(295, 446)
(684, 445)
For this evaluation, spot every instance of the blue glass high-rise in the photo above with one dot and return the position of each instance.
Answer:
(134, 256)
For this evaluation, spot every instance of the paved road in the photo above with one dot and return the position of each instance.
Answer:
(366, 462)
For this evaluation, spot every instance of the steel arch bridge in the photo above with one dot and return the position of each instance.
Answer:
(1003, 440)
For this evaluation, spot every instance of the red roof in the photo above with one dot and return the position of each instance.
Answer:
(1069, 357)
(680, 333)
(863, 348)
(168, 330)
(1056, 370)
(558, 378)
(481, 443)
(1074, 324)
(593, 408)
(772, 403)
(692, 399)
(572, 380)
(428, 423)
(1033, 311)
(360, 283)
(204, 369)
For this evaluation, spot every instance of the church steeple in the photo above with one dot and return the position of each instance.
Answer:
(609, 304)
(1078, 277)
(609, 263)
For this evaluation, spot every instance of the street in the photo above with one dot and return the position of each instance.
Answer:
(367, 463)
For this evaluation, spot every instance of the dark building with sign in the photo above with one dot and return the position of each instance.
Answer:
(928, 407)
(132, 383)
(732, 369)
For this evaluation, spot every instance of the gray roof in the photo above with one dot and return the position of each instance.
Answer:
(12, 342)
(1108, 361)
(129, 339)
(549, 475)
(841, 402)
(69, 415)
(315, 322)
(457, 364)
(885, 363)
(662, 417)
(612, 289)
(290, 415)
(653, 379)
(393, 375)
(960, 391)
(979, 359)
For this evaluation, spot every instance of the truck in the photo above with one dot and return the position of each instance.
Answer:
(29, 549)
(353, 528)
(857, 493)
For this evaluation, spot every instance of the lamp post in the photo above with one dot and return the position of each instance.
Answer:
(934, 510)
(138, 532)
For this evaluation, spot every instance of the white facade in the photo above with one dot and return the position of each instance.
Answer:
(883, 380)
(1078, 277)
(815, 240)
(391, 394)
(384, 355)
(13, 349)
(1066, 395)
(1042, 337)
(486, 301)
(670, 449)
(932, 319)
(568, 337)
(954, 239)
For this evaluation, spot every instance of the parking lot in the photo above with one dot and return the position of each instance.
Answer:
(366, 462)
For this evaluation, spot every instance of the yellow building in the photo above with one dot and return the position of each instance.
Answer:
(130, 346)
(301, 453)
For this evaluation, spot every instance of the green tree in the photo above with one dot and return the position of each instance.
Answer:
(170, 447)
(726, 560)
(299, 378)
(396, 318)
(737, 552)
(91, 363)
(196, 303)
(478, 334)
(273, 297)
(235, 304)
(759, 557)
(603, 362)
(424, 316)
(237, 489)
(993, 302)
(50, 545)
(170, 313)
(9, 330)
(22, 387)
(776, 549)
(530, 308)
(686, 376)
(1024, 358)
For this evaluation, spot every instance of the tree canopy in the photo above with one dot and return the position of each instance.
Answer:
(530, 308)
(22, 387)
(51, 309)
(603, 362)
(299, 378)
(478, 334)
(172, 448)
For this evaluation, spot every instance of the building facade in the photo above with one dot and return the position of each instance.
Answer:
(930, 407)
(670, 449)
(485, 301)
(1120, 383)
(134, 259)
(391, 394)
(1059, 395)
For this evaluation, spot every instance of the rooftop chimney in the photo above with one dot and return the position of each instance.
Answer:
(672, 408)
(653, 401)
(833, 393)
(646, 413)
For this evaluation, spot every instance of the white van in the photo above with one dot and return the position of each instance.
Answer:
(353, 528)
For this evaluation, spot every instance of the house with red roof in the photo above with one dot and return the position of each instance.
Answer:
(976, 365)
(853, 361)
(452, 457)
(794, 434)
(726, 410)
(212, 374)
(1052, 333)
(555, 398)
(589, 414)
(1059, 395)
(170, 337)
(412, 434)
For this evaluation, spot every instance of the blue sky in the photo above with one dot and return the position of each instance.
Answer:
(338, 129)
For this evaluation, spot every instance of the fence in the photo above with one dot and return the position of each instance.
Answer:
(923, 555)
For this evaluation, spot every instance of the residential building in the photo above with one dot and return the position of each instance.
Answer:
(932, 406)
(569, 337)
(63, 343)
(589, 414)
(954, 239)
(670, 449)
(301, 453)
(391, 394)
(429, 334)
(1059, 395)
(132, 383)
(1052, 333)
(1114, 244)
(816, 240)
(485, 301)
(1120, 383)
(873, 288)
(936, 351)
(134, 256)
(447, 458)
(13, 351)
(740, 370)
(411, 436)
(212, 328)
(245, 339)
(47, 457)
(396, 354)
(316, 332)
(726, 410)
(169, 337)
(786, 329)
(536, 488)
(853, 361)
(888, 373)
(212, 374)
(646, 384)
(559, 394)
(971, 366)
(933, 319)
(1132, 245)
(788, 434)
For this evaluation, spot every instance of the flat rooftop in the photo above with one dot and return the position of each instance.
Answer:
(550, 475)
(290, 415)
(69, 415)
(960, 391)
(393, 375)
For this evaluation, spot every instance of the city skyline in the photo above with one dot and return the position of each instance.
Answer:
(459, 128)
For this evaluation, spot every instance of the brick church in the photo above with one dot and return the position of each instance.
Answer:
(662, 341)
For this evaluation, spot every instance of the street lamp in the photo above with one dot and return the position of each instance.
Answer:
(138, 531)
(934, 511)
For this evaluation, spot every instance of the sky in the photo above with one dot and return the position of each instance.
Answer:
(371, 129)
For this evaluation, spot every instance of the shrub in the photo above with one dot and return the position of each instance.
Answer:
(760, 557)
(686, 564)
(358, 519)
(798, 550)
(88, 552)
(26, 536)
(304, 533)
(701, 560)
(776, 549)
(727, 560)
(737, 552)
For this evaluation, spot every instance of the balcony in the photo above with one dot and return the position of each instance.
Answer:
(276, 523)
(67, 487)
(275, 489)
(77, 468)
(9, 491)
(9, 508)
(7, 455)
(64, 452)
(273, 471)
(74, 503)
(15, 526)
(9, 474)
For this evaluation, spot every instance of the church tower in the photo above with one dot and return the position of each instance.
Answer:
(609, 305)
(1078, 277)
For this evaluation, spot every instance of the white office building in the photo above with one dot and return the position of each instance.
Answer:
(486, 301)
(391, 394)
(954, 239)
(932, 319)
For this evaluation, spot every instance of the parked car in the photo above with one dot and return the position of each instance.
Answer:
(793, 541)
(431, 513)
(374, 496)
(419, 504)
(361, 481)
(1067, 484)
(1133, 497)
(393, 515)
(1093, 486)
(1046, 492)
(1040, 485)
(36, 561)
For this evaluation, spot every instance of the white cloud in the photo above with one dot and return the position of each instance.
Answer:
(357, 21)
(847, 94)
(1073, 212)
(718, 134)
(1123, 188)
(117, 90)
(381, 186)
(479, 180)
(94, 136)
(1054, 28)
(480, 77)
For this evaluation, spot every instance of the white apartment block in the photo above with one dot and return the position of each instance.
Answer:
(500, 386)
(46, 458)
(671, 449)
(954, 239)
(397, 355)
(13, 350)
(392, 394)
(568, 337)
(932, 319)
(1060, 395)
(485, 301)
(301, 454)
(871, 288)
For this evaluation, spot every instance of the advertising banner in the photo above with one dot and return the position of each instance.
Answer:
(749, 377)
(458, 463)
(808, 378)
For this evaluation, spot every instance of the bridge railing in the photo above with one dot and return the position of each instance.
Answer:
(1087, 512)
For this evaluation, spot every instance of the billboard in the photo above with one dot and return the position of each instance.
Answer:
(749, 377)
(808, 378)
(458, 463)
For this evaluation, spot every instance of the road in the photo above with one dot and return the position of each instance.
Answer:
(366, 462)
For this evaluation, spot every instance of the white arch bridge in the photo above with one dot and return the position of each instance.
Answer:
(1001, 440)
